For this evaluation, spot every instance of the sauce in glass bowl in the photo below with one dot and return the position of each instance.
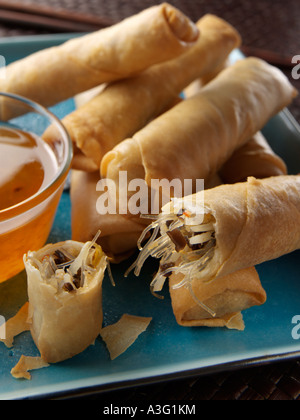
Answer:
(32, 178)
(26, 164)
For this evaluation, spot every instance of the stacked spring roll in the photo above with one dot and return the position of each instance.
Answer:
(256, 158)
(213, 124)
(124, 107)
(65, 297)
(202, 136)
(221, 303)
(95, 123)
(201, 133)
(155, 35)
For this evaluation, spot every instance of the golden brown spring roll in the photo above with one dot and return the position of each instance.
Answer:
(195, 87)
(227, 298)
(128, 105)
(119, 234)
(256, 158)
(65, 297)
(194, 302)
(157, 34)
(216, 304)
(195, 138)
(235, 227)
(266, 218)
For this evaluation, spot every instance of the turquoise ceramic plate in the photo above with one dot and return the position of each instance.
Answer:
(165, 350)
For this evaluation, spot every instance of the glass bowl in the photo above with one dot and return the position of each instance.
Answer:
(26, 225)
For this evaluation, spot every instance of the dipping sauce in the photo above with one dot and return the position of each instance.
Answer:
(27, 163)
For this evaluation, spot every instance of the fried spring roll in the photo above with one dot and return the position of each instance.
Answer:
(128, 105)
(65, 297)
(226, 298)
(119, 235)
(195, 87)
(256, 158)
(195, 138)
(216, 304)
(238, 226)
(157, 34)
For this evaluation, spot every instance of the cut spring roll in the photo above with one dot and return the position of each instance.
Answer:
(216, 304)
(195, 138)
(225, 299)
(157, 34)
(128, 105)
(256, 158)
(242, 225)
(65, 297)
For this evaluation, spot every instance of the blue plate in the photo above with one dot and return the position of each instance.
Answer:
(165, 350)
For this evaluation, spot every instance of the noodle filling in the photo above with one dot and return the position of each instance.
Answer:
(182, 245)
(69, 270)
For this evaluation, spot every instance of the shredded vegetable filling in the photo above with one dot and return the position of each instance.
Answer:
(66, 271)
(184, 242)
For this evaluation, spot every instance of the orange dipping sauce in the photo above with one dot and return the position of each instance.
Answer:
(27, 166)
(26, 163)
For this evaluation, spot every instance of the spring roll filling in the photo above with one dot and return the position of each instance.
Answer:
(184, 241)
(69, 270)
